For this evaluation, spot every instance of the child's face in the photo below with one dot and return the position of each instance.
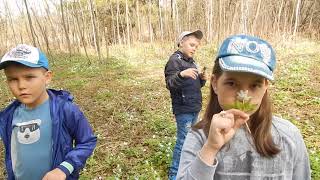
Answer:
(27, 84)
(189, 45)
(230, 83)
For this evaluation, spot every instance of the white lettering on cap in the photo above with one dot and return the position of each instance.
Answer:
(239, 46)
(265, 53)
(252, 49)
(236, 46)
(23, 53)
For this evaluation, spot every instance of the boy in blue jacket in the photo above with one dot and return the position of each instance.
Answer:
(45, 135)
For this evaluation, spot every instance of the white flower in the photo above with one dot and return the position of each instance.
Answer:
(243, 96)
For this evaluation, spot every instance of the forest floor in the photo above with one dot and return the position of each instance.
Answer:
(129, 107)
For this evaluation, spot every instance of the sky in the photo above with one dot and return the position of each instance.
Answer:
(38, 5)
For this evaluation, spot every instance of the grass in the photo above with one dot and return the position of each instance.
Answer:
(126, 102)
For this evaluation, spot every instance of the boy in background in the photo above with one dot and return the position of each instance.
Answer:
(184, 81)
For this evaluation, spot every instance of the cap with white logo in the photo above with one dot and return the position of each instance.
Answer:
(243, 53)
(27, 55)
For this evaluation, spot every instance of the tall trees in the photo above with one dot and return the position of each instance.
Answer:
(66, 33)
(94, 28)
(30, 24)
(92, 24)
(296, 17)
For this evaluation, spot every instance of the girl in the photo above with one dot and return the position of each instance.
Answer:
(238, 137)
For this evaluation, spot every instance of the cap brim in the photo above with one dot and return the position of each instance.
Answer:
(25, 63)
(245, 64)
(198, 34)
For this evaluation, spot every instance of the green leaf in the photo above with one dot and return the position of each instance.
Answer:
(242, 106)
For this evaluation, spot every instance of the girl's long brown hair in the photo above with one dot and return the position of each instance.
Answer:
(260, 121)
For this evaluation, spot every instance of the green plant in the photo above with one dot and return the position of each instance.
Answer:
(242, 103)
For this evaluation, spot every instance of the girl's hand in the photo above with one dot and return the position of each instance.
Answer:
(223, 127)
(55, 174)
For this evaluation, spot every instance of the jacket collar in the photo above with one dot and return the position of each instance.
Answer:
(184, 57)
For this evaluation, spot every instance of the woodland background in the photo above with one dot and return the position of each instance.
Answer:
(111, 54)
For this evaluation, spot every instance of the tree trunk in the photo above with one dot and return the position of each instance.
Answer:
(118, 24)
(160, 21)
(210, 33)
(53, 30)
(84, 27)
(30, 25)
(188, 14)
(220, 22)
(8, 13)
(112, 25)
(127, 21)
(75, 32)
(65, 28)
(177, 19)
(81, 30)
(256, 17)
(107, 41)
(279, 17)
(43, 32)
(244, 15)
(297, 17)
(311, 17)
(291, 19)
(95, 31)
(138, 20)
(150, 23)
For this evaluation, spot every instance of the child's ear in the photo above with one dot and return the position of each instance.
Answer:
(266, 82)
(48, 76)
(214, 83)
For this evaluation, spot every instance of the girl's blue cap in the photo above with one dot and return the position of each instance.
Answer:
(27, 55)
(243, 53)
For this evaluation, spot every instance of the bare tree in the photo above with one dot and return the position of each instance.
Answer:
(118, 24)
(150, 22)
(160, 20)
(30, 24)
(244, 16)
(210, 20)
(52, 27)
(81, 30)
(65, 28)
(127, 21)
(95, 31)
(296, 17)
(8, 14)
(279, 16)
(256, 17)
(43, 31)
(138, 20)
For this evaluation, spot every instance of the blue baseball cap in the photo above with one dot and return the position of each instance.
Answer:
(243, 53)
(27, 55)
